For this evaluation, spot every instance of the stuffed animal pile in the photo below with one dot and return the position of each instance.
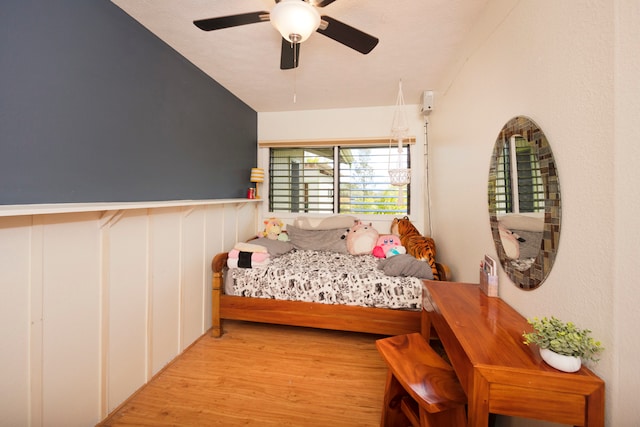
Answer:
(361, 238)
(364, 239)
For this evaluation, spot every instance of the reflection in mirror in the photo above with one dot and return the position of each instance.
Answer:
(524, 202)
(519, 201)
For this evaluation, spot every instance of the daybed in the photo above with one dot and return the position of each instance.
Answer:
(313, 258)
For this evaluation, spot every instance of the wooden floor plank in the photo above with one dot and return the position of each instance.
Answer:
(267, 375)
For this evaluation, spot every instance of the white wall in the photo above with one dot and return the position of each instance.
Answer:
(573, 68)
(568, 65)
(625, 376)
(93, 304)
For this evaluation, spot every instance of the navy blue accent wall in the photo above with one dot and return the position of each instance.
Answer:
(95, 108)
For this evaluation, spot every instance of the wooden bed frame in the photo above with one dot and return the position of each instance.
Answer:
(372, 320)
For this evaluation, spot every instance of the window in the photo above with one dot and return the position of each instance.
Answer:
(306, 179)
(519, 173)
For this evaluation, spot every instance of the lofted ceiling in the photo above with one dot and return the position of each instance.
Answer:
(420, 43)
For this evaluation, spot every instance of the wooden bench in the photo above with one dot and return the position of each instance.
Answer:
(421, 387)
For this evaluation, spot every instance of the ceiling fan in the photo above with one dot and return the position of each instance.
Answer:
(296, 20)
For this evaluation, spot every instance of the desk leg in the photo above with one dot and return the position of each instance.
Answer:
(425, 325)
(478, 415)
(595, 408)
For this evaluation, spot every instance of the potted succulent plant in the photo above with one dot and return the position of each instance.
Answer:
(562, 345)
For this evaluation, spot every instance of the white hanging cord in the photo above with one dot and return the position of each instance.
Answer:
(427, 188)
(399, 177)
(400, 196)
(399, 131)
(400, 124)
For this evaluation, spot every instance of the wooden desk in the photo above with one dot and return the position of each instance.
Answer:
(499, 373)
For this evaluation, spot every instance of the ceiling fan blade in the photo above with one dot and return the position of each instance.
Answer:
(231, 20)
(289, 55)
(321, 3)
(348, 36)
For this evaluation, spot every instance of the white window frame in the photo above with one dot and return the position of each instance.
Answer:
(512, 188)
(418, 171)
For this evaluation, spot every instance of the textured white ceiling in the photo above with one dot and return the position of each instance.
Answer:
(419, 44)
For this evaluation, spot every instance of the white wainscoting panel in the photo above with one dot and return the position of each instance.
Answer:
(165, 286)
(192, 293)
(128, 304)
(70, 318)
(94, 303)
(15, 316)
(214, 237)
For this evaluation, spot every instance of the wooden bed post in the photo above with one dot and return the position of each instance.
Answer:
(216, 326)
(217, 265)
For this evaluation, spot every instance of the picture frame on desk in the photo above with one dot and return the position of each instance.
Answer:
(489, 277)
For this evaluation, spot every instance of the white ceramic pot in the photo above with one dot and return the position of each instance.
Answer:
(560, 361)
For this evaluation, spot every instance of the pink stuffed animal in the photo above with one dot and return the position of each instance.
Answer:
(510, 242)
(387, 246)
(361, 238)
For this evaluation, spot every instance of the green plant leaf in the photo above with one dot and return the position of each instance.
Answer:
(563, 338)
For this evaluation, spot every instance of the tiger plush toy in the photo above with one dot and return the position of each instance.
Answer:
(420, 247)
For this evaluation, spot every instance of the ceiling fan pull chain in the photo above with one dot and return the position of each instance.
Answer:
(295, 85)
(295, 73)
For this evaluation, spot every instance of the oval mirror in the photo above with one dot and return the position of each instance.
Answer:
(524, 202)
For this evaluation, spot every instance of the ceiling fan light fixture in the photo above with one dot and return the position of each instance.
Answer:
(296, 20)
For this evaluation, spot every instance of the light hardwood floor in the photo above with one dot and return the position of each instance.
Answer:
(265, 375)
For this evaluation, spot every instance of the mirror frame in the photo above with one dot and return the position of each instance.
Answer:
(533, 277)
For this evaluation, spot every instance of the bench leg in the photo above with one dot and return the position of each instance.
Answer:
(391, 413)
(455, 417)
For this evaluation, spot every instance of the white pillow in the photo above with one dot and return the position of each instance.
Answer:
(522, 222)
(324, 223)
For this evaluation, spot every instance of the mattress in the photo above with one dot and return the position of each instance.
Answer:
(326, 277)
